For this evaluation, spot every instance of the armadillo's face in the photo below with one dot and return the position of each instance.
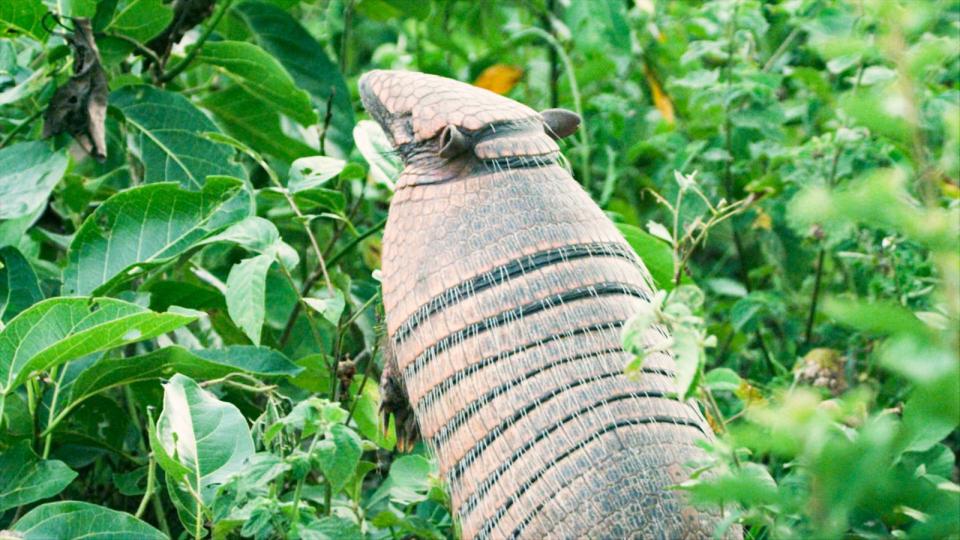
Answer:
(444, 128)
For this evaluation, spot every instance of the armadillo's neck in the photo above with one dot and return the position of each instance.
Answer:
(493, 150)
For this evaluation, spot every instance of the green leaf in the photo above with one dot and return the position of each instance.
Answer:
(167, 135)
(72, 519)
(245, 118)
(25, 478)
(376, 149)
(884, 318)
(141, 20)
(28, 173)
(260, 235)
(332, 527)
(330, 305)
(338, 455)
(314, 171)
(207, 436)
(408, 481)
(207, 364)
(722, 379)
(246, 294)
(22, 17)
(306, 61)
(143, 227)
(19, 287)
(655, 254)
(262, 76)
(61, 329)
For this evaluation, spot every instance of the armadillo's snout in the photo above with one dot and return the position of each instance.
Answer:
(370, 84)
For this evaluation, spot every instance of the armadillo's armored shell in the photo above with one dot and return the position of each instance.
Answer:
(505, 292)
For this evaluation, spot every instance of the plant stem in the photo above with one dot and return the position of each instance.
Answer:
(345, 36)
(170, 74)
(48, 437)
(821, 255)
(583, 132)
(312, 279)
(151, 480)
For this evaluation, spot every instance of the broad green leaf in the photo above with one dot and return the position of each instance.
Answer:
(332, 527)
(338, 455)
(141, 20)
(207, 436)
(314, 171)
(28, 173)
(206, 364)
(306, 61)
(376, 149)
(73, 519)
(245, 118)
(143, 227)
(262, 76)
(260, 235)
(61, 329)
(656, 255)
(22, 17)
(408, 481)
(246, 294)
(19, 288)
(167, 136)
(722, 378)
(25, 478)
(884, 318)
(330, 305)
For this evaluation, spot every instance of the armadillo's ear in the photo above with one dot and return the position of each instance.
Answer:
(560, 123)
(452, 142)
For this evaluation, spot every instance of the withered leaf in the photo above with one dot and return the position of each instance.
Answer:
(80, 106)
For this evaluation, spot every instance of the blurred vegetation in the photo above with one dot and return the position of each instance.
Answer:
(190, 214)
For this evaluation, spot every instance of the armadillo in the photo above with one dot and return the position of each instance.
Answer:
(505, 289)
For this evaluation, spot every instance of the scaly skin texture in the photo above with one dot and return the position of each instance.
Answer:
(505, 288)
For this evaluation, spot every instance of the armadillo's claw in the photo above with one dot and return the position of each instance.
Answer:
(394, 401)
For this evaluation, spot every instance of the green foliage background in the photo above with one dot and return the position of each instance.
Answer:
(191, 326)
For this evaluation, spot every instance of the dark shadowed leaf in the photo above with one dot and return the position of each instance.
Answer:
(19, 288)
(244, 117)
(282, 36)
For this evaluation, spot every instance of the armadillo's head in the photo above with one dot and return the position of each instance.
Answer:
(444, 129)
